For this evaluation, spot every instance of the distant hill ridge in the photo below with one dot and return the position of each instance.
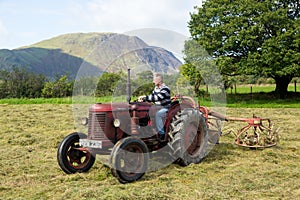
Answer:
(65, 54)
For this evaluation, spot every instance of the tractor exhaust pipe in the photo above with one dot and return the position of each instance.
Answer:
(128, 87)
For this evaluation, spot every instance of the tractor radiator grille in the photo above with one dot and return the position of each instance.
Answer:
(97, 125)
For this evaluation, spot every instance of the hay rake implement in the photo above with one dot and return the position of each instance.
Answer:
(256, 133)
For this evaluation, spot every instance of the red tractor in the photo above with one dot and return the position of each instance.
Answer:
(126, 132)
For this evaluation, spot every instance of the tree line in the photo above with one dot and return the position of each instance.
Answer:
(21, 83)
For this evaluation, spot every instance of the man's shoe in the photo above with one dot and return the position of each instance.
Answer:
(161, 137)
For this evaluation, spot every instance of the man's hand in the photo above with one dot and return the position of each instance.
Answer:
(141, 98)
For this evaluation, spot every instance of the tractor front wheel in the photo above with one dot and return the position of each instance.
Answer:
(129, 159)
(71, 158)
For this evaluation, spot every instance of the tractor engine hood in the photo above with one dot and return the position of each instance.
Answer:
(109, 107)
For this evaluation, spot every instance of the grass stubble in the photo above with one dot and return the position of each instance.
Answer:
(30, 134)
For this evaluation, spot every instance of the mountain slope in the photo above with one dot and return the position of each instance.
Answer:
(90, 52)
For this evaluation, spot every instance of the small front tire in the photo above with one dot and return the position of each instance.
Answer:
(70, 158)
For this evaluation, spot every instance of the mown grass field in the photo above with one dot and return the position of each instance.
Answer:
(30, 134)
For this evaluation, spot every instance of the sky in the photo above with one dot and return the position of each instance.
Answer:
(27, 22)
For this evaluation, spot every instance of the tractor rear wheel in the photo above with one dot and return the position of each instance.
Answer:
(129, 159)
(189, 137)
(70, 158)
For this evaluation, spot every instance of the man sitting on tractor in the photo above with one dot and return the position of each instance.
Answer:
(160, 96)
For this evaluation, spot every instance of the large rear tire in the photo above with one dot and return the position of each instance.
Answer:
(129, 159)
(189, 137)
(70, 158)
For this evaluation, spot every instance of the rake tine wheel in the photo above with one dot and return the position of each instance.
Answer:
(258, 133)
(260, 137)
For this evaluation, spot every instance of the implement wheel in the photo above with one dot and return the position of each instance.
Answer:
(129, 159)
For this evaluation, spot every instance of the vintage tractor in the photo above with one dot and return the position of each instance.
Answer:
(126, 132)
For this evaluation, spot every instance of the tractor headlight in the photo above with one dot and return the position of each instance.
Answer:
(84, 121)
(117, 123)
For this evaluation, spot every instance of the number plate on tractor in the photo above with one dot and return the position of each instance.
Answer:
(90, 143)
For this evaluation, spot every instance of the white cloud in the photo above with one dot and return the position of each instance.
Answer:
(27, 22)
(120, 15)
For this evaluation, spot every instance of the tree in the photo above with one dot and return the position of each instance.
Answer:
(107, 83)
(190, 72)
(143, 83)
(61, 87)
(200, 68)
(85, 86)
(258, 37)
(19, 83)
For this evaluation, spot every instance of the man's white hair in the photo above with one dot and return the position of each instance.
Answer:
(158, 76)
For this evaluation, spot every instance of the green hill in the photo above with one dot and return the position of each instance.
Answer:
(92, 52)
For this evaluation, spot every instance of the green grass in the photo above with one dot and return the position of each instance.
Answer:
(30, 134)
(245, 89)
(262, 100)
(256, 100)
(262, 97)
(65, 100)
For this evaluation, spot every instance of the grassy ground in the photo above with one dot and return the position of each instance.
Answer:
(262, 97)
(255, 100)
(243, 89)
(30, 134)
